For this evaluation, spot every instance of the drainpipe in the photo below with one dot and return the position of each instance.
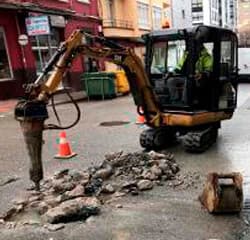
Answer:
(171, 13)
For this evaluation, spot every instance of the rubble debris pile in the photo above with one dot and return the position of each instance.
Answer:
(75, 195)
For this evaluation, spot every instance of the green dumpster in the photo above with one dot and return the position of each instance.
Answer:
(99, 84)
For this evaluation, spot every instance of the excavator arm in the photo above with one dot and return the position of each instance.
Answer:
(31, 112)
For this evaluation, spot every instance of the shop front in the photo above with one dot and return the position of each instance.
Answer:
(44, 29)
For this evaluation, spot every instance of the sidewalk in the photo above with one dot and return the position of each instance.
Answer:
(7, 105)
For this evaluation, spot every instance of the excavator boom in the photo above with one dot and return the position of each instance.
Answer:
(32, 111)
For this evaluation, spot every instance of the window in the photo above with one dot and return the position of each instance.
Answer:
(157, 13)
(44, 46)
(197, 17)
(227, 61)
(84, 1)
(226, 54)
(143, 15)
(183, 13)
(5, 68)
(197, 3)
(167, 55)
(110, 9)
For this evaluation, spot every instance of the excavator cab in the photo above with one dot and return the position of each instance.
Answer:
(193, 73)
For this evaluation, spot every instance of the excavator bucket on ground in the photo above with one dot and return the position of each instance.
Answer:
(223, 193)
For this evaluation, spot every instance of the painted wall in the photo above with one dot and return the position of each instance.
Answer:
(22, 60)
(127, 10)
(22, 63)
(179, 20)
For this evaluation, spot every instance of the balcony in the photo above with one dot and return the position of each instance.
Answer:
(117, 23)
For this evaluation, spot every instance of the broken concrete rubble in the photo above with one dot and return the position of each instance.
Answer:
(145, 185)
(76, 209)
(77, 194)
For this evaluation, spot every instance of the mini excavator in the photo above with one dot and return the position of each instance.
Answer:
(196, 118)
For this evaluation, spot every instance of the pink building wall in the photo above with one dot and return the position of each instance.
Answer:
(23, 62)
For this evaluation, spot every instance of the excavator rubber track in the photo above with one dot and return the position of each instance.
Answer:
(157, 138)
(200, 140)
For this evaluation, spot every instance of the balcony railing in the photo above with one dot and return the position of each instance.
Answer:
(117, 23)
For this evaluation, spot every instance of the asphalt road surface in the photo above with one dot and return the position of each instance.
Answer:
(164, 213)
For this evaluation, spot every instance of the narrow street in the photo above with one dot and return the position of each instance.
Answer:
(163, 213)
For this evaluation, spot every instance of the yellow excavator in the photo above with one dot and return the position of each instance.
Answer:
(196, 118)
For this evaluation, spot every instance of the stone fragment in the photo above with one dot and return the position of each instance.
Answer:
(155, 156)
(54, 227)
(134, 191)
(11, 225)
(34, 204)
(30, 222)
(118, 206)
(175, 168)
(78, 208)
(156, 170)
(108, 188)
(61, 173)
(52, 201)
(129, 184)
(35, 198)
(113, 156)
(93, 187)
(42, 208)
(147, 174)
(63, 187)
(118, 194)
(164, 166)
(78, 191)
(136, 170)
(103, 173)
(78, 175)
(144, 185)
(19, 201)
(2, 221)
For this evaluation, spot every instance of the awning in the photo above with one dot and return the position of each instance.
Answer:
(137, 40)
(31, 7)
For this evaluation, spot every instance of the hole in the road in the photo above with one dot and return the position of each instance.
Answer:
(113, 123)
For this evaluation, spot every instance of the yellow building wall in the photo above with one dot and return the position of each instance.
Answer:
(127, 10)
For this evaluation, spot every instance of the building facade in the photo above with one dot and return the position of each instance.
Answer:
(243, 27)
(126, 21)
(45, 24)
(222, 13)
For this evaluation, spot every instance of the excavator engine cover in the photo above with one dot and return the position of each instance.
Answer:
(223, 193)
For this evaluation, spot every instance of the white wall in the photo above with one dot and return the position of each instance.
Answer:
(177, 6)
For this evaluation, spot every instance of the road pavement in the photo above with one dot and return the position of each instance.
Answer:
(163, 213)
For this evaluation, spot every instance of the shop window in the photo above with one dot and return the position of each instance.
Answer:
(44, 46)
(5, 68)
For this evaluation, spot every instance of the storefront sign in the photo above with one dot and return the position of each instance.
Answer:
(38, 25)
(57, 21)
(23, 39)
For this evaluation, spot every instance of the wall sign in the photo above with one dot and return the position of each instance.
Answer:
(23, 39)
(37, 25)
(57, 21)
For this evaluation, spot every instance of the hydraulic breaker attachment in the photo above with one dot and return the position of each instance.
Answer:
(31, 115)
(223, 193)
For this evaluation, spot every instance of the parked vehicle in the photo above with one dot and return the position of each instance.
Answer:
(244, 64)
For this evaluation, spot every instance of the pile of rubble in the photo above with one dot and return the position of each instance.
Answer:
(74, 194)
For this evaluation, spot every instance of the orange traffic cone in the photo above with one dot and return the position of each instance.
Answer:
(140, 119)
(64, 148)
